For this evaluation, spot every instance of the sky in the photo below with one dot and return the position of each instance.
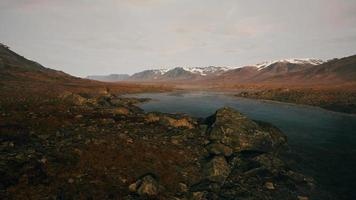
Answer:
(92, 37)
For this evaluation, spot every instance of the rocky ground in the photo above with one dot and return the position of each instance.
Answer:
(104, 147)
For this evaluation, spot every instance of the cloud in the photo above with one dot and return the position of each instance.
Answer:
(125, 36)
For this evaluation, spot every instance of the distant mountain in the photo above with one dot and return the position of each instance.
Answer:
(178, 74)
(292, 72)
(148, 75)
(264, 71)
(109, 78)
(334, 71)
(257, 72)
(286, 71)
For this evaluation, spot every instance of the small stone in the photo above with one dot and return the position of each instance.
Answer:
(183, 187)
(302, 198)
(177, 123)
(199, 196)
(269, 185)
(148, 187)
(121, 111)
(150, 118)
(175, 141)
(133, 187)
(43, 160)
(129, 140)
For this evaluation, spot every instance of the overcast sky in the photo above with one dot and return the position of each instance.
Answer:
(86, 37)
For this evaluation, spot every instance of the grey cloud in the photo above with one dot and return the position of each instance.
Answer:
(126, 36)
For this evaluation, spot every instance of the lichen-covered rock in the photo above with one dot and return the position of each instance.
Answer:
(151, 118)
(235, 130)
(177, 123)
(147, 186)
(219, 149)
(74, 99)
(217, 169)
(121, 111)
(270, 162)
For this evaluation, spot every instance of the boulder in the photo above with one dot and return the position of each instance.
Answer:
(217, 169)
(236, 131)
(219, 149)
(74, 99)
(270, 162)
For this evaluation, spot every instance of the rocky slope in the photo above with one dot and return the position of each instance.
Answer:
(63, 137)
(105, 147)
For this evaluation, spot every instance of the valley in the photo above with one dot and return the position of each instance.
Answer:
(64, 137)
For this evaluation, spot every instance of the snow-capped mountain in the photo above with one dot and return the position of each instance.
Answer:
(178, 73)
(255, 72)
(205, 71)
(305, 61)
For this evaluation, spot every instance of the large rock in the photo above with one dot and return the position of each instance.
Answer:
(178, 123)
(217, 169)
(219, 149)
(270, 162)
(233, 129)
(147, 186)
(74, 99)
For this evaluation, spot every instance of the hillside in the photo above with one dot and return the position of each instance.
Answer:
(21, 78)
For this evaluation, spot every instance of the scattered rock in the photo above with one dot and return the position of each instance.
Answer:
(302, 198)
(74, 98)
(147, 186)
(269, 185)
(121, 111)
(219, 149)
(177, 123)
(217, 169)
(183, 188)
(79, 116)
(133, 187)
(199, 196)
(150, 118)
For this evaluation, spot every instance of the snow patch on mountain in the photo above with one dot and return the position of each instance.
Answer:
(204, 71)
(310, 61)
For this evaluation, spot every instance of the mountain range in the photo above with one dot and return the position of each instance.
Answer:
(291, 71)
(16, 68)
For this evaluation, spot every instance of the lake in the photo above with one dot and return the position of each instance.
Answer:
(324, 141)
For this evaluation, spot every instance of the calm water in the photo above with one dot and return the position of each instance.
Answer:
(324, 141)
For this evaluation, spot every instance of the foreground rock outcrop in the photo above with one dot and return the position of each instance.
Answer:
(104, 147)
